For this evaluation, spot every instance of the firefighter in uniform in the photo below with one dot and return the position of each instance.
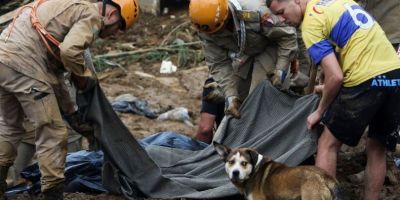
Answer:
(244, 44)
(36, 49)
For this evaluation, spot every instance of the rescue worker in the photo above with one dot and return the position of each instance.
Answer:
(361, 85)
(243, 45)
(35, 51)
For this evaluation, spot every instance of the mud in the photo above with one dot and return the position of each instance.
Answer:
(140, 77)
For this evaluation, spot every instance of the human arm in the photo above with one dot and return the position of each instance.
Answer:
(315, 33)
(286, 40)
(205, 128)
(81, 34)
(220, 65)
(332, 84)
(221, 69)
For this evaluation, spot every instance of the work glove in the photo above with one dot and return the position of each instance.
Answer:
(80, 126)
(84, 128)
(232, 105)
(299, 80)
(278, 77)
(213, 93)
(83, 83)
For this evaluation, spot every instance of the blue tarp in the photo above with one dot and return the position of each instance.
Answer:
(173, 140)
(83, 168)
(82, 174)
(130, 104)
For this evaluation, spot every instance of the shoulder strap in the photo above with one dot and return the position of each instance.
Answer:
(46, 36)
(240, 27)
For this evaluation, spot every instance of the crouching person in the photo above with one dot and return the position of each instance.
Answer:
(243, 45)
(36, 49)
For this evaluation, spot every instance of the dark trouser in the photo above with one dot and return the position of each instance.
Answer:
(374, 103)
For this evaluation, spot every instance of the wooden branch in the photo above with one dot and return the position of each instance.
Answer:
(313, 76)
(127, 53)
(10, 15)
(7, 17)
(172, 31)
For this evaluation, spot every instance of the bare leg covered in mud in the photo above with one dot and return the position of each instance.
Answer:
(328, 147)
(375, 169)
(205, 128)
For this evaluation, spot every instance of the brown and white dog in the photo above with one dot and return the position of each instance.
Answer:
(259, 178)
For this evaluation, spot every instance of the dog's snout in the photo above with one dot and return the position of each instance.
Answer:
(235, 173)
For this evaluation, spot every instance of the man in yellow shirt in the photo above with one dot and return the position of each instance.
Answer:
(362, 77)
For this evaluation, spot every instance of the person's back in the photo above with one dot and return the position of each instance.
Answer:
(361, 85)
(363, 49)
(387, 14)
(22, 48)
(243, 44)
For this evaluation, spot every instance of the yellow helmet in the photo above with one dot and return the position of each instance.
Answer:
(129, 10)
(208, 15)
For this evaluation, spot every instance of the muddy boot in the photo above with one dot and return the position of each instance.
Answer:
(3, 183)
(54, 193)
(356, 178)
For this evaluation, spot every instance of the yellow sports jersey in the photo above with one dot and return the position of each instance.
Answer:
(343, 26)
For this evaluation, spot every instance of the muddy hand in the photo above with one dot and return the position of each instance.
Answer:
(318, 89)
(278, 78)
(214, 93)
(232, 105)
(313, 119)
(76, 123)
(83, 83)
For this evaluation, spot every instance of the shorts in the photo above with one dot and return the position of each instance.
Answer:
(374, 103)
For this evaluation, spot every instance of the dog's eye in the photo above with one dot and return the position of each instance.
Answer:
(231, 162)
(244, 163)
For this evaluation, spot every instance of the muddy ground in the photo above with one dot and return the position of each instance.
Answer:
(139, 75)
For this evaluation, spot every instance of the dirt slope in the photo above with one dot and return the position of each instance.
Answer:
(140, 77)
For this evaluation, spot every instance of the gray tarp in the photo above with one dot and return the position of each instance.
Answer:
(273, 123)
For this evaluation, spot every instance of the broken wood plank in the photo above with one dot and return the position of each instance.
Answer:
(7, 17)
(171, 48)
(10, 15)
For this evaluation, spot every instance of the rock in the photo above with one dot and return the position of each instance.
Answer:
(143, 74)
(391, 177)
(178, 114)
(397, 151)
(194, 85)
(356, 178)
(172, 82)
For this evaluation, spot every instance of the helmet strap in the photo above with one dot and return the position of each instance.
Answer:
(103, 11)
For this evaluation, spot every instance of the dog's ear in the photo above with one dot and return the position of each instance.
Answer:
(253, 156)
(222, 150)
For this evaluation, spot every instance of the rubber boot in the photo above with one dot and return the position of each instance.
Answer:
(54, 193)
(3, 183)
